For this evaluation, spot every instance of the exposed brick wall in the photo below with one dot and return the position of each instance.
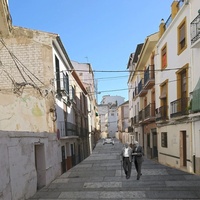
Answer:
(26, 57)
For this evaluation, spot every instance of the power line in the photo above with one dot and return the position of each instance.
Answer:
(121, 71)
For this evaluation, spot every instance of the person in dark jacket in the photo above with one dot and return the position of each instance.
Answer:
(138, 158)
(126, 155)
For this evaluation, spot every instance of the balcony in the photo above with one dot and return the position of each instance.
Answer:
(180, 3)
(141, 116)
(141, 90)
(179, 107)
(67, 129)
(149, 113)
(149, 77)
(135, 92)
(134, 120)
(195, 32)
(161, 113)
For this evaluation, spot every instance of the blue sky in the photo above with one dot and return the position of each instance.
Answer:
(101, 32)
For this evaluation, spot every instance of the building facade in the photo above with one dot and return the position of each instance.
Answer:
(107, 110)
(44, 110)
(124, 131)
(85, 73)
(171, 130)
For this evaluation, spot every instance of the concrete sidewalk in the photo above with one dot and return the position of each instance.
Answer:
(99, 177)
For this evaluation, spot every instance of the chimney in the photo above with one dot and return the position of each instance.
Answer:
(174, 9)
(161, 28)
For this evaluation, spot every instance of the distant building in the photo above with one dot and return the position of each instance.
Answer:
(108, 115)
(124, 130)
(85, 73)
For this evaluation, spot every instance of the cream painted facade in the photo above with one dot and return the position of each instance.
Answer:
(142, 80)
(133, 82)
(125, 133)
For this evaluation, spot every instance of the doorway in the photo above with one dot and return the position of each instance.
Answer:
(183, 149)
(63, 164)
(40, 165)
(155, 145)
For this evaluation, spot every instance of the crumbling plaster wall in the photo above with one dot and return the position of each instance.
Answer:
(27, 81)
(17, 167)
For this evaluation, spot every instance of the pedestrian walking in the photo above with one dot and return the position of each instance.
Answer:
(138, 158)
(126, 155)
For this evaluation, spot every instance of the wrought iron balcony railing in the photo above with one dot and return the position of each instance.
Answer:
(149, 112)
(149, 77)
(195, 29)
(179, 107)
(141, 116)
(141, 90)
(161, 113)
(67, 129)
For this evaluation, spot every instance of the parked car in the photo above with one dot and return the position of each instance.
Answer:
(108, 140)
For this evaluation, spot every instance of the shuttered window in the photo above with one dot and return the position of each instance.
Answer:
(182, 36)
(164, 57)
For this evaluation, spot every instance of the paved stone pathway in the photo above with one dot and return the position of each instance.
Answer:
(100, 177)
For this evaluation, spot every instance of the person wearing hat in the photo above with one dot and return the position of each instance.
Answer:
(138, 158)
(126, 155)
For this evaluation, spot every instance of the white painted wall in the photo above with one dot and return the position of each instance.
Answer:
(17, 169)
(112, 99)
(171, 154)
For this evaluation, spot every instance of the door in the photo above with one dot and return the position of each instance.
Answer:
(183, 149)
(155, 146)
(40, 165)
(63, 164)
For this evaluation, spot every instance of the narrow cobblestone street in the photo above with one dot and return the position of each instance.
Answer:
(100, 177)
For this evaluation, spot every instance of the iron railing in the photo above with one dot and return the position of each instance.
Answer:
(179, 107)
(195, 29)
(70, 129)
(149, 111)
(161, 113)
(140, 85)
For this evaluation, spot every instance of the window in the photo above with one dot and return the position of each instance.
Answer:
(72, 93)
(182, 89)
(164, 139)
(57, 73)
(182, 37)
(66, 83)
(164, 57)
(163, 110)
(182, 82)
(133, 94)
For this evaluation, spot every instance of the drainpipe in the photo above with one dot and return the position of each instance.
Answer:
(187, 3)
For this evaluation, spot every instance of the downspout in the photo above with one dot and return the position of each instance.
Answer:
(192, 125)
